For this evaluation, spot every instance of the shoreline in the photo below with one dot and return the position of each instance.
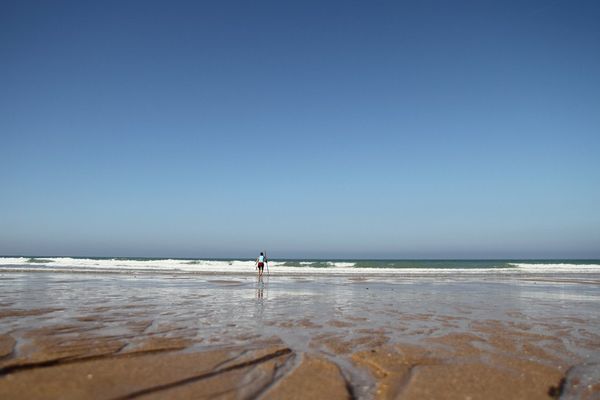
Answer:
(288, 272)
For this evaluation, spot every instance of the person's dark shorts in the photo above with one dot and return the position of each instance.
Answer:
(261, 265)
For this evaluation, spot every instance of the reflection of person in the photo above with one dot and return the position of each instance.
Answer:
(260, 263)
(259, 288)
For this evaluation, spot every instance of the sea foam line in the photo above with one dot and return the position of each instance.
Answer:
(277, 267)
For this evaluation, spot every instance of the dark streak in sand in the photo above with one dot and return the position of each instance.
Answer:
(200, 377)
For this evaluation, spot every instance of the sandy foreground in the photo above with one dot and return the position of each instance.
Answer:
(117, 336)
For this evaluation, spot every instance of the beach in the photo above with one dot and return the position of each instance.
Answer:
(419, 179)
(108, 335)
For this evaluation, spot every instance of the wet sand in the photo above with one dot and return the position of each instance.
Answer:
(114, 336)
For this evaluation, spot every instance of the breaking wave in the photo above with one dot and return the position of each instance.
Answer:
(173, 265)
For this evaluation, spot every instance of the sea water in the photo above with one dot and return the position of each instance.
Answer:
(297, 266)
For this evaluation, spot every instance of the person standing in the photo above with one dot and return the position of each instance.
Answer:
(260, 263)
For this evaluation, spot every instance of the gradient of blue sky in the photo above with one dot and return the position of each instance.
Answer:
(312, 128)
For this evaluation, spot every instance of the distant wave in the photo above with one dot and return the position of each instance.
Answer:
(296, 266)
(556, 267)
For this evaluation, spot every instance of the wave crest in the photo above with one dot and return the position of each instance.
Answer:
(291, 266)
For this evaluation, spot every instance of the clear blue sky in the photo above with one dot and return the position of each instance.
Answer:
(312, 128)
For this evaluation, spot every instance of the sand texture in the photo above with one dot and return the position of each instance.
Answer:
(202, 338)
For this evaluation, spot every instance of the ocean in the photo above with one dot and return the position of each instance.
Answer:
(295, 266)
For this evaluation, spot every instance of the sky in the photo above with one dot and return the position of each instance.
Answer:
(313, 129)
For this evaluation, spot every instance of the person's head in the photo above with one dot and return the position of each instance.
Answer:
(261, 253)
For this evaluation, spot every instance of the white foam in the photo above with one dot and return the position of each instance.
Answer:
(340, 264)
(557, 267)
(128, 264)
(279, 267)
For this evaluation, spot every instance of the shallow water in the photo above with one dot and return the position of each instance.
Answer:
(242, 304)
(329, 315)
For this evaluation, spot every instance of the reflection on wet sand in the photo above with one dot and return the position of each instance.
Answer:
(105, 336)
(260, 288)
